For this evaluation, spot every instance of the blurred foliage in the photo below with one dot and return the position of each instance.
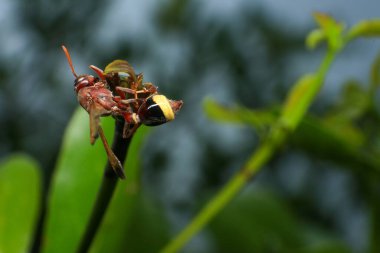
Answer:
(75, 184)
(246, 61)
(277, 229)
(20, 192)
(148, 230)
(347, 129)
(297, 103)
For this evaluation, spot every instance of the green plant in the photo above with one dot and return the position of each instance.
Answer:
(280, 126)
(349, 129)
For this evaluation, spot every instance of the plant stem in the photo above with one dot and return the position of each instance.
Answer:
(108, 185)
(263, 154)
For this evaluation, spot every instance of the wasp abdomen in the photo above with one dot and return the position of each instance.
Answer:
(156, 110)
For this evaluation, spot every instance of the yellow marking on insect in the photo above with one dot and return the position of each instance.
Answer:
(164, 104)
(135, 118)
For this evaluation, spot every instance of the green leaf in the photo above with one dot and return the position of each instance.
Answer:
(148, 231)
(75, 184)
(298, 101)
(375, 75)
(334, 138)
(259, 221)
(20, 193)
(256, 222)
(353, 105)
(337, 140)
(259, 119)
(366, 28)
(112, 233)
(328, 246)
(341, 144)
(315, 38)
(216, 111)
(331, 29)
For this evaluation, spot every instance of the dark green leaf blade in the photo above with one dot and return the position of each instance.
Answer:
(259, 221)
(20, 193)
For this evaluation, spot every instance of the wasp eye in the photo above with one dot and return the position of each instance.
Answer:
(156, 111)
(83, 81)
(79, 80)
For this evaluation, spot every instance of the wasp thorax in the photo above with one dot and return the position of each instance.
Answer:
(83, 81)
(157, 110)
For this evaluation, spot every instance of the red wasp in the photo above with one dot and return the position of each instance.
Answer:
(137, 102)
(95, 97)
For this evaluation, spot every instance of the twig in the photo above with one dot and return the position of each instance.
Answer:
(120, 148)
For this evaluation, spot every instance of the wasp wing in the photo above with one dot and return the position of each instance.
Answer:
(94, 124)
(121, 67)
(120, 73)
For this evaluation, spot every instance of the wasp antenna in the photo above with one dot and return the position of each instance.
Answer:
(69, 60)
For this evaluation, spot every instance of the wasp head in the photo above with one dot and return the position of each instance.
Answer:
(84, 81)
(81, 81)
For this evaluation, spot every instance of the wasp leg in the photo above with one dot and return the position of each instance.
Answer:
(125, 129)
(127, 90)
(114, 161)
(150, 87)
(114, 109)
(132, 122)
(132, 103)
(132, 91)
(128, 101)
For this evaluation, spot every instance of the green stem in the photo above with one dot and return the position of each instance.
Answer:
(110, 179)
(260, 157)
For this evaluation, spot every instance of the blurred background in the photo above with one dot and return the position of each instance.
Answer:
(241, 52)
